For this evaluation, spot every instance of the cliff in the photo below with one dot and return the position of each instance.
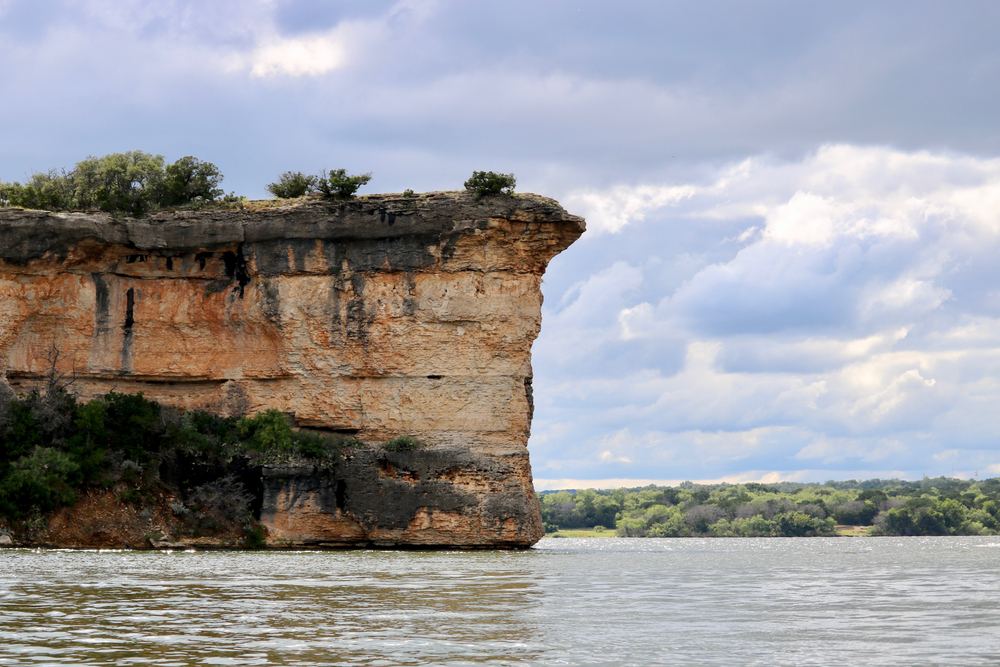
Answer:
(379, 316)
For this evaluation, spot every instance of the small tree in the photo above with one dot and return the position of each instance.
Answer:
(292, 184)
(189, 179)
(490, 183)
(337, 184)
(120, 182)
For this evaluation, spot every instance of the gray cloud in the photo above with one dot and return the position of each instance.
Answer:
(834, 328)
(564, 93)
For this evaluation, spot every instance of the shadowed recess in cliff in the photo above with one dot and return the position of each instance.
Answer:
(102, 304)
(127, 331)
(237, 268)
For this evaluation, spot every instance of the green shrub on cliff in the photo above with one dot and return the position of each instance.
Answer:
(292, 184)
(268, 430)
(52, 446)
(338, 184)
(335, 184)
(43, 479)
(132, 183)
(402, 443)
(483, 183)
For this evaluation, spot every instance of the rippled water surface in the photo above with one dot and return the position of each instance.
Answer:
(854, 601)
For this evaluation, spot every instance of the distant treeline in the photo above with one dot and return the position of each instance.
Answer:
(939, 506)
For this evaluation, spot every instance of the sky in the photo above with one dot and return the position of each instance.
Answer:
(793, 208)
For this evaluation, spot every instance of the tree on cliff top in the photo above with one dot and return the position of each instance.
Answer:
(133, 183)
(189, 179)
(339, 185)
(483, 183)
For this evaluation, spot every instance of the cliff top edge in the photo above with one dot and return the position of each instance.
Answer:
(29, 234)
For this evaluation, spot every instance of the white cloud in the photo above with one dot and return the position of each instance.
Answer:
(907, 292)
(637, 321)
(299, 56)
(840, 190)
(318, 53)
(230, 36)
(611, 210)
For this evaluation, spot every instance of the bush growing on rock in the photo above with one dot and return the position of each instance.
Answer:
(483, 183)
(338, 184)
(226, 498)
(43, 479)
(51, 190)
(267, 430)
(402, 443)
(335, 184)
(292, 184)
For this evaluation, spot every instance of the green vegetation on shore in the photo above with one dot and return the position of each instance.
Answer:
(940, 506)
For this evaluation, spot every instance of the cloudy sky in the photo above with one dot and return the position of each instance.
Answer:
(794, 207)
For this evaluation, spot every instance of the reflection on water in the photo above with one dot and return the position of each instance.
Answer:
(885, 601)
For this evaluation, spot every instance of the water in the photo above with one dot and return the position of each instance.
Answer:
(806, 601)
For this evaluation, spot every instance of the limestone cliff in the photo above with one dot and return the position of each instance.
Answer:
(379, 316)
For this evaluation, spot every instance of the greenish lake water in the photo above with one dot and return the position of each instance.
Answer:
(804, 601)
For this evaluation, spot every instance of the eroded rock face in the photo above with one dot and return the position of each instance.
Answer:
(380, 316)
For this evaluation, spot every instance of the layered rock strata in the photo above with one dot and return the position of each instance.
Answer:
(379, 316)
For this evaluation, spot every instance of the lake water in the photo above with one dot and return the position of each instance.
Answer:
(805, 601)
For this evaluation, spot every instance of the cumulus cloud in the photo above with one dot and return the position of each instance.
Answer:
(611, 210)
(317, 53)
(857, 321)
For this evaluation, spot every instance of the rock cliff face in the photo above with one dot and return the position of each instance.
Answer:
(379, 316)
